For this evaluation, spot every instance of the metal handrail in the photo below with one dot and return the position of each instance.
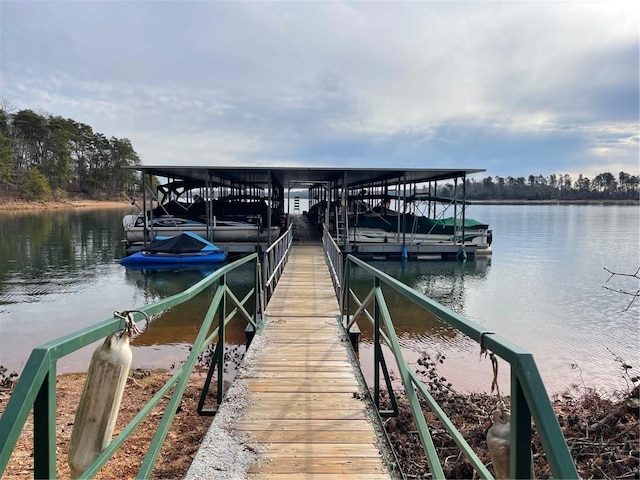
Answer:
(274, 260)
(528, 394)
(36, 387)
(334, 258)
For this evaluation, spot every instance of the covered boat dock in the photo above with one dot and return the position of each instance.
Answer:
(338, 198)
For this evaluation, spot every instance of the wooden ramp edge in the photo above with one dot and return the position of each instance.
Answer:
(295, 409)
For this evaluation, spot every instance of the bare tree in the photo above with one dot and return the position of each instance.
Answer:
(634, 294)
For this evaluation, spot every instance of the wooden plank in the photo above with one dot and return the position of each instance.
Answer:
(312, 437)
(303, 389)
(296, 397)
(297, 364)
(283, 413)
(298, 375)
(291, 327)
(308, 359)
(321, 449)
(312, 354)
(311, 364)
(319, 476)
(333, 345)
(308, 425)
(294, 326)
(320, 465)
(301, 327)
(285, 382)
(334, 405)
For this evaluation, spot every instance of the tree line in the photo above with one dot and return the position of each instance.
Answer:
(50, 157)
(44, 156)
(604, 186)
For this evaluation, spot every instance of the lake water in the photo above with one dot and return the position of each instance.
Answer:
(542, 289)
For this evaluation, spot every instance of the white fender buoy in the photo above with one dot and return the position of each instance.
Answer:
(100, 401)
(499, 441)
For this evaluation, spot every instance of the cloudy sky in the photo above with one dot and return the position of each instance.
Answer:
(517, 88)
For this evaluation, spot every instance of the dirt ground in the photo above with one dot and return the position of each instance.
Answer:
(13, 205)
(182, 441)
(602, 437)
(602, 433)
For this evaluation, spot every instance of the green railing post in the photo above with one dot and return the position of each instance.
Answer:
(423, 429)
(547, 425)
(346, 302)
(377, 350)
(221, 338)
(520, 455)
(44, 426)
(20, 403)
(258, 291)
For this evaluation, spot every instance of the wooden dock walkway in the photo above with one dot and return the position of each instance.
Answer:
(295, 408)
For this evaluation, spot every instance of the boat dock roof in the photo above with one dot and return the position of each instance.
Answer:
(290, 176)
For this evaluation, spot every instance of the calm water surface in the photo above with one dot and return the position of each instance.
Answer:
(543, 290)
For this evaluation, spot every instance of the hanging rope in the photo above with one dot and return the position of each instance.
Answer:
(130, 327)
(499, 433)
(494, 382)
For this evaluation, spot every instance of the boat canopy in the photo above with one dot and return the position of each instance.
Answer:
(468, 222)
(186, 242)
(425, 197)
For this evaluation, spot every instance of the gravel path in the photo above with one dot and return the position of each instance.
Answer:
(224, 454)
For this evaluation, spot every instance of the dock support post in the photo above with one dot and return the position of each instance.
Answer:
(354, 335)
(250, 331)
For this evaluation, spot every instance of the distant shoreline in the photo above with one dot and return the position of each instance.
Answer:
(11, 205)
(554, 201)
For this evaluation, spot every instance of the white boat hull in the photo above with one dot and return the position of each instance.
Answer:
(221, 232)
(374, 235)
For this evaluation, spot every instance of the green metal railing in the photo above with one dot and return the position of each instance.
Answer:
(334, 258)
(274, 260)
(36, 387)
(529, 397)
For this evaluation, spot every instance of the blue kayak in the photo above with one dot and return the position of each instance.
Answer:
(180, 250)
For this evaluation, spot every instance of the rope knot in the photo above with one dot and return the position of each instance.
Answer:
(130, 327)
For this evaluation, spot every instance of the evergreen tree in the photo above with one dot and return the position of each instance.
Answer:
(66, 156)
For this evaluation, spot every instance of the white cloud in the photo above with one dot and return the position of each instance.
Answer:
(333, 81)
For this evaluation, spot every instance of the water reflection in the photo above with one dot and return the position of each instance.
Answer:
(52, 253)
(181, 324)
(443, 281)
(56, 275)
(421, 333)
(157, 284)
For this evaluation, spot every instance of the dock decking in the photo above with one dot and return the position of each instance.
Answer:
(295, 408)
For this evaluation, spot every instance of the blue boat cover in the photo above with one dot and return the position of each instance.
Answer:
(186, 242)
